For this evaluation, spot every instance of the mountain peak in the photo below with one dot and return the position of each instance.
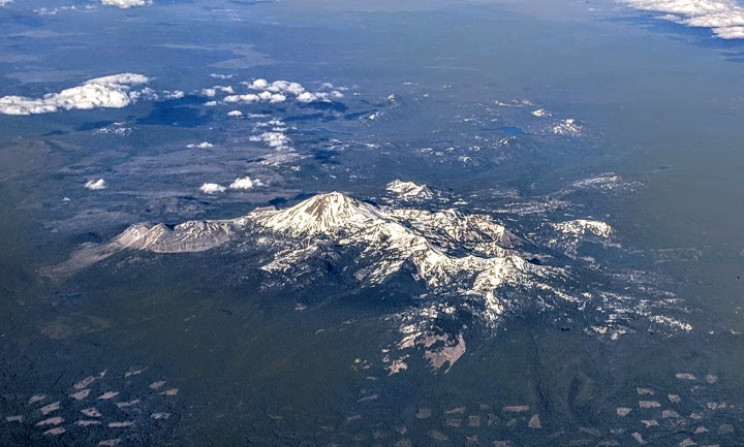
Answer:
(322, 213)
(328, 203)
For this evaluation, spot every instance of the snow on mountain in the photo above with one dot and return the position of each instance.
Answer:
(467, 262)
(328, 214)
(450, 252)
(409, 190)
(568, 236)
(584, 226)
(187, 237)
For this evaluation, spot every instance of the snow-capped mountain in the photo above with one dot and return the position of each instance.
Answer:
(469, 264)
(471, 255)
(449, 251)
(192, 236)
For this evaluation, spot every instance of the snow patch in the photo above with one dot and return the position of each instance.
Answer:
(409, 190)
(568, 127)
(581, 227)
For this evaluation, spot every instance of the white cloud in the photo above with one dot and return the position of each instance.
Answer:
(724, 17)
(294, 88)
(244, 183)
(5, 2)
(249, 98)
(212, 188)
(96, 185)
(173, 94)
(125, 4)
(212, 92)
(308, 97)
(274, 139)
(277, 140)
(253, 98)
(258, 84)
(53, 11)
(113, 91)
(202, 145)
(272, 97)
(235, 113)
(277, 92)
